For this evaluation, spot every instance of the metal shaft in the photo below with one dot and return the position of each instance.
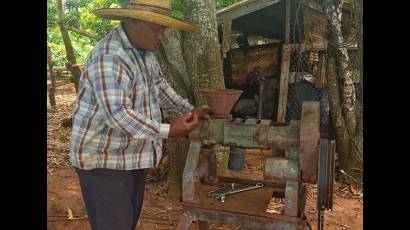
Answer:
(222, 196)
(320, 220)
(258, 185)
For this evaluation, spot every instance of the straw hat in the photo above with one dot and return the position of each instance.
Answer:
(155, 11)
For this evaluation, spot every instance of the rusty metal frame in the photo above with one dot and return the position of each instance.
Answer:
(300, 140)
(278, 222)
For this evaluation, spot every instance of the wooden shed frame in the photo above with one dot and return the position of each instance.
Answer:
(227, 16)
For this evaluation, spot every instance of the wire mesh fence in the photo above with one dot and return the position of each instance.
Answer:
(307, 82)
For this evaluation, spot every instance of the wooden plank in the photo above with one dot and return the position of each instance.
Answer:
(284, 78)
(63, 69)
(242, 8)
(321, 74)
(226, 37)
(307, 46)
(59, 83)
(59, 68)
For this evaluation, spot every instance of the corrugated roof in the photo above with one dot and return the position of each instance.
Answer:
(242, 8)
(256, 17)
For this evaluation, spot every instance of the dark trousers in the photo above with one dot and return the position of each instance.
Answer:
(113, 198)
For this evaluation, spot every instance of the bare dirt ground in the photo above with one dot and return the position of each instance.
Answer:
(64, 195)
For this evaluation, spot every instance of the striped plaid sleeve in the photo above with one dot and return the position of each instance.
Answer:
(169, 99)
(106, 74)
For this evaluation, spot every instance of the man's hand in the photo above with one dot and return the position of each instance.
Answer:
(183, 125)
(203, 112)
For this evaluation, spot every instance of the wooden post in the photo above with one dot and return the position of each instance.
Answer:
(226, 37)
(52, 90)
(284, 75)
(320, 81)
(284, 78)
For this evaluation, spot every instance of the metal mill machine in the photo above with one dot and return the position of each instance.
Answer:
(304, 158)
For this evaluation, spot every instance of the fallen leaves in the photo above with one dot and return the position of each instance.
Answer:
(70, 215)
(58, 139)
(276, 206)
(348, 191)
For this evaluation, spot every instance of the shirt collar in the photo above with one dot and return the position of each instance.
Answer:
(127, 43)
(124, 38)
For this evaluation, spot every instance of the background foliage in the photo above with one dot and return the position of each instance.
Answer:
(79, 14)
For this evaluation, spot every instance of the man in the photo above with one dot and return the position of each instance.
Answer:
(117, 129)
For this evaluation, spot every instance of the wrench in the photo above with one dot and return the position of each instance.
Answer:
(211, 193)
(222, 196)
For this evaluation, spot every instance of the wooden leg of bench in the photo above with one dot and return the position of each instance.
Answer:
(184, 223)
(202, 225)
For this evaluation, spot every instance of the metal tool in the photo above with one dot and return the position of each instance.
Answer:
(214, 194)
(222, 196)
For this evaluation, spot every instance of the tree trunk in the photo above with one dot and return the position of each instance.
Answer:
(193, 62)
(174, 70)
(52, 90)
(84, 33)
(346, 112)
(338, 120)
(334, 13)
(201, 49)
(357, 144)
(359, 27)
(172, 48)
(72, 63)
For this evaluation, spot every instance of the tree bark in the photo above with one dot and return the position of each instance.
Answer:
(359, 27)
(357, 142)
(52, 90)
(174, 70)
(192, 62)
(201, 49)
(338, 120)
(84, 33)
(72, 63)
(346, 111)
(172, 47)
(334, 13)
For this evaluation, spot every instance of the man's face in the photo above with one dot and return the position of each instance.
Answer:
(145, 35)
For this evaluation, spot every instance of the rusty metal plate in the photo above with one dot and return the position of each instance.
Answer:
(309, 141)
(241, 135)
(280, 222)
(190, 176)
(292, 198)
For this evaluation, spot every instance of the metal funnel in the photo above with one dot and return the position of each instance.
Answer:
(221, 101)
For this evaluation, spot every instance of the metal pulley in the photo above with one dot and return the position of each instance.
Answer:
(326, 178)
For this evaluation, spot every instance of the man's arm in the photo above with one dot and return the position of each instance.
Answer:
(169, 99)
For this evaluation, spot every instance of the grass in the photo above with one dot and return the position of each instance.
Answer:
(50, 108)
(62, 136)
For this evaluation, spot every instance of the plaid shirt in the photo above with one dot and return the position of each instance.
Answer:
(116, 116)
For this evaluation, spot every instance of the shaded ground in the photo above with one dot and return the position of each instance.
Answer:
(63, 191)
